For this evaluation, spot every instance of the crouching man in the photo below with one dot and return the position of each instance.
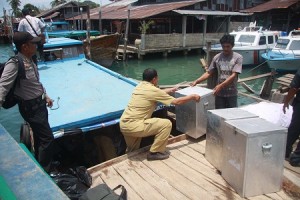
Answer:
(136, 121)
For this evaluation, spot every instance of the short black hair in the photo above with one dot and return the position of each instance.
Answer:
(227, 39)
(149, 74)
(25, 12)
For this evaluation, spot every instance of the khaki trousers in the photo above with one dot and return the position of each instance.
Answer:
(161, 128)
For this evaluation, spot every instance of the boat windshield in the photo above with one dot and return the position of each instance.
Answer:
(295, 45)
(247, 38)
(282, 43)
(63, 52)
(233, 35)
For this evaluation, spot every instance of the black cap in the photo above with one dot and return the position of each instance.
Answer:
(25, 12)
(24, 37)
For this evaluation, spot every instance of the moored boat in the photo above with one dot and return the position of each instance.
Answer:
(103, 48)
(62, 29)
(251, 43)
(87, 96)
(285, 56)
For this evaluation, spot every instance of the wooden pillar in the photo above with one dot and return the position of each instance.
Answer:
(288, 21)
(111, 27)
(165, 54)
(213, 80)
(192, 25)
(88, 34)
(100, 20)
(228, 24)
(143, 41)
(170, 26)
(269, 21)
(204, 30)
(126, 33)
(184, 20)
(74, 23)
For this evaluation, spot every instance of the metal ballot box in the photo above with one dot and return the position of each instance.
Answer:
(253, 158)
(191, 118)
(215, 132)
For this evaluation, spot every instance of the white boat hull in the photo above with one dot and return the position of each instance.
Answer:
(284, 65)
(250, 57)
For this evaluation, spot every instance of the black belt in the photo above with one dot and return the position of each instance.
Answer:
(36, 101)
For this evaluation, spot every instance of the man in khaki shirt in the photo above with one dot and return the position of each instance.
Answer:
(136, 121)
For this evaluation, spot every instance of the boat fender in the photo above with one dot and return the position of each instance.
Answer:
(25, 136)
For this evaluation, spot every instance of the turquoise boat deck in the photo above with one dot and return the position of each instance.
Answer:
(87, 96)
(88, 93)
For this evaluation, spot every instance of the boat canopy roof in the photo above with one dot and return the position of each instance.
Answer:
(85, 93)
(59, 23)
(72, 33)
(60, 42)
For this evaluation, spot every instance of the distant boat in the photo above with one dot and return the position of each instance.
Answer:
(285, 56)
(251, 43)
(103, 49)
(62, 29)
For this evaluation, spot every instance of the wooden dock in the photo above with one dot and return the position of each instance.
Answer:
(185, 175)
(285, 81)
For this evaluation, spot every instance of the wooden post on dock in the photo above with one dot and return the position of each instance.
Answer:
(126, 33)
(204, 30)
(211, 81)
(88, 26)
(100, 20)
(184, 20)
(267, 86)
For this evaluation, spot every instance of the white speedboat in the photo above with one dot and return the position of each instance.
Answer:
(285, 56)
(251, 43)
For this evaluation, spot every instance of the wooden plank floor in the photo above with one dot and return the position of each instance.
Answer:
(185, 175)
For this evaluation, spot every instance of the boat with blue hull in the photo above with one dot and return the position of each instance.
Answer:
(88, 98)
(20, 175)
(285, 56)
(103, 48)
(62, 29)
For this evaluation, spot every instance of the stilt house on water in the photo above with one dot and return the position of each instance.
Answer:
(277, 14)
(165, 26)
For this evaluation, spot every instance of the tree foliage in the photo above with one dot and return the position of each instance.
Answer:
(33, 9)
(57, 2)
(15, 7)
(145, 26)
(90, 3)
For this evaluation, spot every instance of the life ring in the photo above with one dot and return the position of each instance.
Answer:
(25, 136)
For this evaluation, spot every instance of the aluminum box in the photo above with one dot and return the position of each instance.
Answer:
(215, 132)
(191, 117)
(253, 158)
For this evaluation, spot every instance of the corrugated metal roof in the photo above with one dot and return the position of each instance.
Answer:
(53, 15)
(122, 3)
(56, 8)
(204, 12)
(137, 12)
(272, 4)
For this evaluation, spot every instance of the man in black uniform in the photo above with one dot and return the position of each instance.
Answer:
(31, 95)
(294, 128)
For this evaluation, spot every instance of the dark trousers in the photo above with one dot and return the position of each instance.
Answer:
(36, 114)
(225, 102)
(294, 129)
